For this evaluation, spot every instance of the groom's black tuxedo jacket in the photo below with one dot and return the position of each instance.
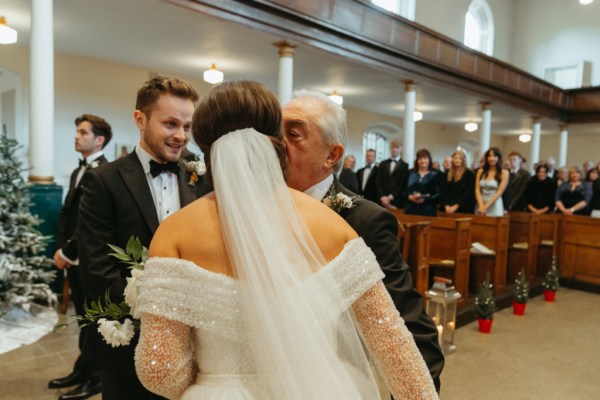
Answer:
(116, 204)
(392, 182)
(379, 230)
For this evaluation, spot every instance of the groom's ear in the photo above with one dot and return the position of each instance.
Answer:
(335, 155)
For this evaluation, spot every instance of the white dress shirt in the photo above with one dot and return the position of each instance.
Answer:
(319, 190)
(164, 187)
(88, 160)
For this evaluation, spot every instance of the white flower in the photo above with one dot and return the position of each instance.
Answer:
(94, 164)
(132, 290)
(346, 201)
(115, 333)
(195, 169)
(339, 201)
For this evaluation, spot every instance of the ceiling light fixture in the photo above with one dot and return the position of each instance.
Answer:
(7, 34)
(585, 2)
(213, 75)
(336, 98)
(417, 115)
(471, 126)
(524, 138)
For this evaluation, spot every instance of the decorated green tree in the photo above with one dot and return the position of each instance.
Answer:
(485, 305)
(551, 280)
(521, 294)
(24, 272)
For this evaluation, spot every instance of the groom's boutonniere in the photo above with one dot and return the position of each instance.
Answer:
(339, 201)
(93, 164)
(195, 169)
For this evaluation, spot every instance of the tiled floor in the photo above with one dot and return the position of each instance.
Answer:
(553, 352)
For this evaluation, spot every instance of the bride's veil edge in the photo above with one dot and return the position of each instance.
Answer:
(303, 347)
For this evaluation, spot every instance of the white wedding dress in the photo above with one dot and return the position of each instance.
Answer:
(289, 326)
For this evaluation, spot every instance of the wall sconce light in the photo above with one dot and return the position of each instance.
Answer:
(213, 75)
(417, 115)
(7, 34)
(336, 98)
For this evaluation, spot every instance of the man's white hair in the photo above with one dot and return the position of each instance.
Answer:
(332, 122)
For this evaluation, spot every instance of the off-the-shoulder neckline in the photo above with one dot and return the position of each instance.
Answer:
(180, 261)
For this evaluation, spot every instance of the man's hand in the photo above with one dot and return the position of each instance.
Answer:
(60, 262)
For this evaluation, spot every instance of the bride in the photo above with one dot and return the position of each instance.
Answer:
(257, 291)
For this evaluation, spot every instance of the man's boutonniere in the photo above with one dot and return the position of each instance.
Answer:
(195, 169)
(339, 201)
(93, 164)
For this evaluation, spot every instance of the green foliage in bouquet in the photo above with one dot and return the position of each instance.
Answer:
(134, 255)
(551, 280)
(485, 305)
(521, 294)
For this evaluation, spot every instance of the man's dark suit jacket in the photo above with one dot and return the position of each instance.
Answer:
(348, 179)
(392, 183)
(379, 230)
(67, 221)
(116, 204)
(513, 197)
(370, 190)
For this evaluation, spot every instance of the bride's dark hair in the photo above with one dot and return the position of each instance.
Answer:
(235, 105)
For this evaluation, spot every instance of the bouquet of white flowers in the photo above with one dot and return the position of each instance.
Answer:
(117, 323)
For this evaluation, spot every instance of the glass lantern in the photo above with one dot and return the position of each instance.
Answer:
(441, 307)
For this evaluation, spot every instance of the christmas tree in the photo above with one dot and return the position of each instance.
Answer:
(485, 305)
(24, 272)
(551, 281)
(521, 294)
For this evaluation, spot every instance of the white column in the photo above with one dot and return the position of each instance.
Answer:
(486, 128)
(408, 148)
(286, 71)
(562, 150)
(41, 112)
(534, 155)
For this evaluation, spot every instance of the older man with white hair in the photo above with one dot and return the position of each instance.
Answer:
(315, 134)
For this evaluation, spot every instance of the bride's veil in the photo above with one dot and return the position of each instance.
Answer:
(305, 344)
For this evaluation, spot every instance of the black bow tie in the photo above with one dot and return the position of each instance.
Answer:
(83, 163)
(156, 168)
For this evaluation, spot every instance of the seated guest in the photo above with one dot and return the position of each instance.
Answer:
(574, 196)
(458, 186)
(347, 176)
(540, 192)
(423, 188)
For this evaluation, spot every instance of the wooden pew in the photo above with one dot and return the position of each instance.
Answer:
(548, 242)
(449, 249)
(492, 232)
(414, 241)
(579, 254)
(523, 242)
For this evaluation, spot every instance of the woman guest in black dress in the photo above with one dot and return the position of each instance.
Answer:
(458, 187)
(574, 196)
(540, 192)
(423, 188)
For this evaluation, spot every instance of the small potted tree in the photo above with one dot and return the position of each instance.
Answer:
(485, 305)
(521, 294)
(550, 282)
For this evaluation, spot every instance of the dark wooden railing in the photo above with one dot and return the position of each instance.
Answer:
(360, 31)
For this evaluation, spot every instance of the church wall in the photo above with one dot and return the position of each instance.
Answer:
(550, 32)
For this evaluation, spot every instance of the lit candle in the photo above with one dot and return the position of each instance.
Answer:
(440, 332)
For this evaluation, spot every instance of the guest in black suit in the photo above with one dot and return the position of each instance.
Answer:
(93, 134)
(540, 192)
(458, 186)
(367, 177)
(347, 176)
(392, 178)
(131, 196)
(513, 196)
(315, 134)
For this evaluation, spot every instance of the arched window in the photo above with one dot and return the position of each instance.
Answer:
(479, 27)
(404, 8)
(377, 142)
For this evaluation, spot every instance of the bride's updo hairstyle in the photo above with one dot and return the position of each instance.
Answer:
(235, 105)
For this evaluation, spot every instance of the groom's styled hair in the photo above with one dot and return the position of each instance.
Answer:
(148, 94)
(235, 105)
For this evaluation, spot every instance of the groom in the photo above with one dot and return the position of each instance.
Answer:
(131, 196)
(315, 134)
